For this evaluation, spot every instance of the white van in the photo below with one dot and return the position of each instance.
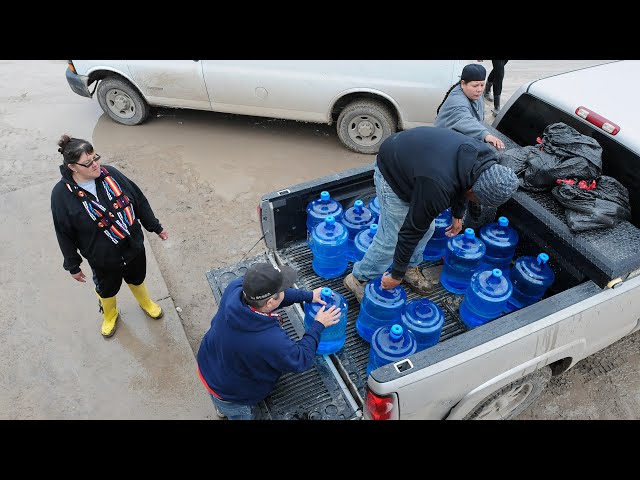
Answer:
(368, 100)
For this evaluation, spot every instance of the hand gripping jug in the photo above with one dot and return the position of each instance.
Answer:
(379, 308)
(461, 259)
(374, 206)
(424, 319)
(501, 241)
(319, 209)
(531, 276)
(356, 219)
(329, 248)
(333, 337)
(390, 344)
(485, 298)
(363, 241)
(434, 249)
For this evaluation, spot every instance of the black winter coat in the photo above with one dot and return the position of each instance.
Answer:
(75, 230)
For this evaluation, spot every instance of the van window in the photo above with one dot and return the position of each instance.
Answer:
(527, 118)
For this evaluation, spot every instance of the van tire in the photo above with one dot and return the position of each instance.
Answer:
(364, 124)
(512, 399)
(122, 102)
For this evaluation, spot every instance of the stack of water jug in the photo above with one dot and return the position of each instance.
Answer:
(480, 268)
(477, 267)
(394, 327)
(337, 236)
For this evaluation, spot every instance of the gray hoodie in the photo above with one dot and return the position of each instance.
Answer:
(463, 115)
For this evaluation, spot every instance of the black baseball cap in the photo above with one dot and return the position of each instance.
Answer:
(263, 280)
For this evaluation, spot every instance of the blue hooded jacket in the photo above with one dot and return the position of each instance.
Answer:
(244, 353)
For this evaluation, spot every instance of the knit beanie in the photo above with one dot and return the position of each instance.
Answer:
(473, 72)
(495, 185)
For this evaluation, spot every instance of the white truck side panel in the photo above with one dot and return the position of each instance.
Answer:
(463, 380)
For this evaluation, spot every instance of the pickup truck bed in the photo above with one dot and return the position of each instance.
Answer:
(335, 387)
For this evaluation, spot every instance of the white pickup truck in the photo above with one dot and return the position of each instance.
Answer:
(494, 371)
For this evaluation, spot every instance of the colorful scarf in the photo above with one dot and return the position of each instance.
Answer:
(114, 222)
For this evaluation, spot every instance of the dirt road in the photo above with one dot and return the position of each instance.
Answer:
(204, 174)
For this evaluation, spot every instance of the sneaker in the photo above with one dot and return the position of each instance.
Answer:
(495, 111)
(355, 286)
(220, 414)
(488, 96)
(414, 278)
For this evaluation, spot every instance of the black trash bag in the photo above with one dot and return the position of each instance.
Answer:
(563, 153)
(566, 142)
(516, 158)
(603, 207)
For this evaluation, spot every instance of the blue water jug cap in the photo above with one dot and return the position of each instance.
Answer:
(330, 220)
(543, 258)
(469, 233)
(324, 195)
(396, 331)
(373, 228)
(503, 221)
(358, 206)
(326, 293)
(496, 272)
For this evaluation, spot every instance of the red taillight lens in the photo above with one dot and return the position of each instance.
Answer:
(380, 407)
(597, 120)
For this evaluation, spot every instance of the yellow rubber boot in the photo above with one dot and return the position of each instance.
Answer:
(110, 315)
(142, 296)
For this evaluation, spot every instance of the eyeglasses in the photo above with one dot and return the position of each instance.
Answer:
(95, 158)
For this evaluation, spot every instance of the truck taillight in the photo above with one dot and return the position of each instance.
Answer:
(597, 120)
(380, 407)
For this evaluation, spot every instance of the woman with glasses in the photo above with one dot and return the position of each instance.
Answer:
(98, 212)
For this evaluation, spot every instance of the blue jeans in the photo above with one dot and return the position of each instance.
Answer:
(235, 411)
(393, 211)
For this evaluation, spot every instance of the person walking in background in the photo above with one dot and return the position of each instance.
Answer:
(462, 108)
(419, 173)
(494, 81)
(246, 350)
(98, 211)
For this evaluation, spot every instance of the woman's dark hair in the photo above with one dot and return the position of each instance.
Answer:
(73, 148)
(446, 95)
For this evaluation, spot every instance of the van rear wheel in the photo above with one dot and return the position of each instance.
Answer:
(121, 101)
(512, 399)
(364, 124)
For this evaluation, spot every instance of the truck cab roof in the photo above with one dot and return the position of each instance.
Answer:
(603, 89)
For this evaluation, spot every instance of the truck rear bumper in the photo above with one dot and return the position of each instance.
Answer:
(78, 83)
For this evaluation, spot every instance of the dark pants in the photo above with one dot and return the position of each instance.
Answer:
(497, 75)
(108, 281)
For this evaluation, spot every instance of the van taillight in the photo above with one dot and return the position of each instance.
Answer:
(71, 67)
(380, 407)
(597, 120)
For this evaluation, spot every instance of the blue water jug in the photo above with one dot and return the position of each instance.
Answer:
(356, 219)
(333, 337)
(379, 308)
(500, 240)
(424, 319)
(485, 298)
(435, 247)
(319, 209)
(461, 259)
(374, 206)
(390, 344)
(363, 241)
(531, 276)
(329, 248)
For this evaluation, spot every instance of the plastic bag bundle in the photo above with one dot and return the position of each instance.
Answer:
(604, 206)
